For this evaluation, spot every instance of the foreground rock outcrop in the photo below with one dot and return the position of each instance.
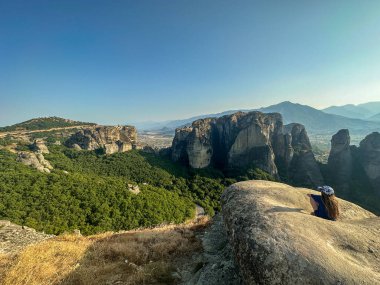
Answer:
(110, 138)
(13, 237)
(275, 240)
(244, 140)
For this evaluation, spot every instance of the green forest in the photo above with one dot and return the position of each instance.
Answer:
(89, 191)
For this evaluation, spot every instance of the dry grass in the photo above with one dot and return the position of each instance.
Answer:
(152, 257)
(47, 262)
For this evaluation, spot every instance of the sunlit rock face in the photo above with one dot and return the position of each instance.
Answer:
(110, 138)
(35, 160)
(275, 239)
(243, 140)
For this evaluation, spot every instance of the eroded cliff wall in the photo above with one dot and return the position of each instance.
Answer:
(244, 140)
(110, 138)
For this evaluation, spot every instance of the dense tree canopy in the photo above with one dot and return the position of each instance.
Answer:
(88, 190)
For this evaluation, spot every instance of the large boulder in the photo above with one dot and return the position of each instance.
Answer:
(110, 138)
(35, 160)
(275, 239)
(40, 146)
(245, 140)
(340, 160)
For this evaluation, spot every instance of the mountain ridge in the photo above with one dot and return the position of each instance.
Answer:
(363, 111)
(316, 121)
(43, 123)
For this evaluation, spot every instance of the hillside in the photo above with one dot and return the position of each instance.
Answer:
(349, 110)
(92, 192)
(361, 111)
(375, 118)
(318, 122)
(260, 220)
(162, 255)
(43, 124)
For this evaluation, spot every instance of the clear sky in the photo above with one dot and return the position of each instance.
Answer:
(115, 62)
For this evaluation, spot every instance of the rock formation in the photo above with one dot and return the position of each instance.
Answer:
(13, 237)
(294, 153)
(39, 146)
(35, 160)
(275, 240)
(340, 160)
(369, 151)
(134, 189)
(244, 140)
(218, 265)
(110, 138)
(353, 169)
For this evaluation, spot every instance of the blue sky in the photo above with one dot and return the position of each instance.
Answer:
(115, 62)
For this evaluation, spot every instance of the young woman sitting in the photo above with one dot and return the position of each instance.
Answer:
(325, 205)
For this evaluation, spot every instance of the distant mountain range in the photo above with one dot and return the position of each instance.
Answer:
(320, 122)
(316, 121)
(367, 111)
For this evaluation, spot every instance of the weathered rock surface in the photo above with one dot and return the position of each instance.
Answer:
(218, 266)
(39, 146)
(275, 240)
(35, 160)
(135, 189)
(294, 154)
(244, 140)
(110, 138)
(340, 160)
(369, 151)
(352, 168)
(13, 237)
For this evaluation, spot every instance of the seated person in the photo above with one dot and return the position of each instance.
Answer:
(325, 206)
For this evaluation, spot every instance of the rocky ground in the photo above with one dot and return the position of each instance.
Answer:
(215, 263)
(14, 238)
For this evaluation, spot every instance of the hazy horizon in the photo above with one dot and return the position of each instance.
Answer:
(121, 62)
(170, 119)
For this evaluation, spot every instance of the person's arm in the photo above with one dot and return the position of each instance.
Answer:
(313, 203)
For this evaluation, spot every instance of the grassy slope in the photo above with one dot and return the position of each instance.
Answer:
(83, 198)
(153, 256)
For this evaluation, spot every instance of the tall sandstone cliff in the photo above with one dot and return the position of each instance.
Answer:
(344, 157)
(244, 140)
(340, 160)
(355, 171)
(370, 158)
(110, 138)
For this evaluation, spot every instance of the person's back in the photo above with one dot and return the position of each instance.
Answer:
(326, 205)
